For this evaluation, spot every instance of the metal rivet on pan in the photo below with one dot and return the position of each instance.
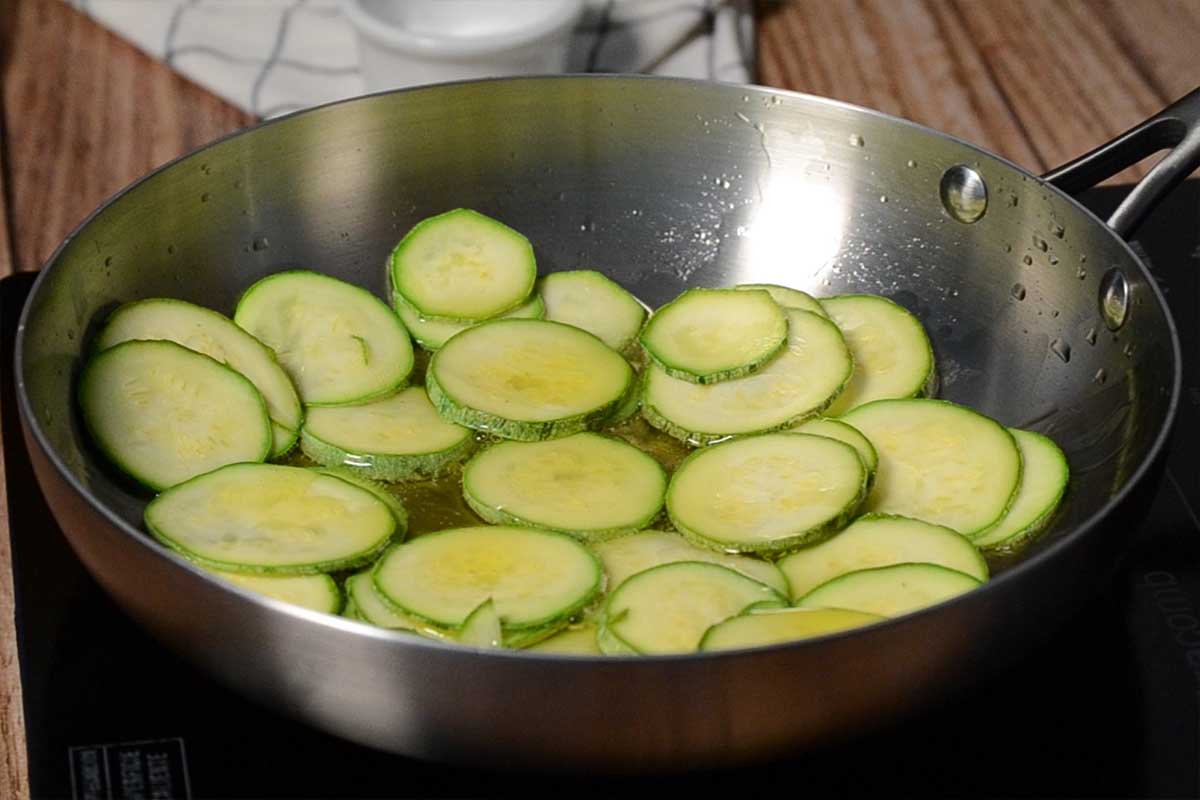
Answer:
(1114, 298)
(964, 194)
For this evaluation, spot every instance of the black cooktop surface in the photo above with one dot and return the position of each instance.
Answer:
(1111, 708)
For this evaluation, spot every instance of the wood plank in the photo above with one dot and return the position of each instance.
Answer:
(1160, 37)
(907, 57)
(14, 767)
(1068, 81)
(86, 114)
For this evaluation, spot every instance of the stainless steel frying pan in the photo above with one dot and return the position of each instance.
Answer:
(1040, 315)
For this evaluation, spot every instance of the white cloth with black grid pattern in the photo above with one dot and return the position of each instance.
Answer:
(270, 57)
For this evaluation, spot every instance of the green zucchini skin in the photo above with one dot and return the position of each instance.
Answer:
(890, 495)
(878, 540)
(764, 628)
(379, 324)
(921, 381)
(499, 511)
(390, 468)
(405, 266)
(787, 297)
(1044, 479)
(99, 414)
(339, 438)
(682, 517)
(555, 619)
(890, 591)
(462, 413)
(629, 624)
(657, 343)
(432, 334)
(671, 406)
(331, 603)
(218, 337)
(594, 302)
(247, 474)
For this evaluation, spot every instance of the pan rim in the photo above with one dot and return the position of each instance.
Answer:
(392, 638)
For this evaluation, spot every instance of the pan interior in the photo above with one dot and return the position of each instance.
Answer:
(662, 185)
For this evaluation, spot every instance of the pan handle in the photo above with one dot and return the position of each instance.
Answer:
(1176, 127)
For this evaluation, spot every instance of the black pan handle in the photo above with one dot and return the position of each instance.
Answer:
(1176, 127)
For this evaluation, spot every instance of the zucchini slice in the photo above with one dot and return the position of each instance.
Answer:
(586, 485)
(481, 628)
(1044, 477)
(877, 541)
(800, 383)
(164, 414)
(713, 335)
(890, 591)
(339, 343)
(787, 298)
(205, 331)
(892, 354)
(589, 300)
(317, 592)
(939, 462)
(360, 590)
(398, 438)
(766, 494)
(628, 555)
(843, 432)
(576, 640)
(776, 626)
(667, 609)
(433, 333)
(266, 518)
(463, 266)
(527, 379)
(534, 577)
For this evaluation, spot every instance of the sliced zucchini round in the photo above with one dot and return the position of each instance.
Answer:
(712, 335)
(798, 384)
(433, 333)
(266, 518)
(877, 540)
(667, 609)
(463, 266)
(892, 354)
(316, 592)
(339, 343)
(890, 591)
(205, 331)
(589, 300)
(788, 298)
(527, 379)
(776, 626)
(1044, 477)
(586, 485)
(843, 432)
(939, 462)
(534, 577)
(576, 640)
(481, 628)
(398, 438)
(625, 556)
(360, 590)
(164, 414)
(766, 494)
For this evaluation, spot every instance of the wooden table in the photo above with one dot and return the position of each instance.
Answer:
(1038, 81)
